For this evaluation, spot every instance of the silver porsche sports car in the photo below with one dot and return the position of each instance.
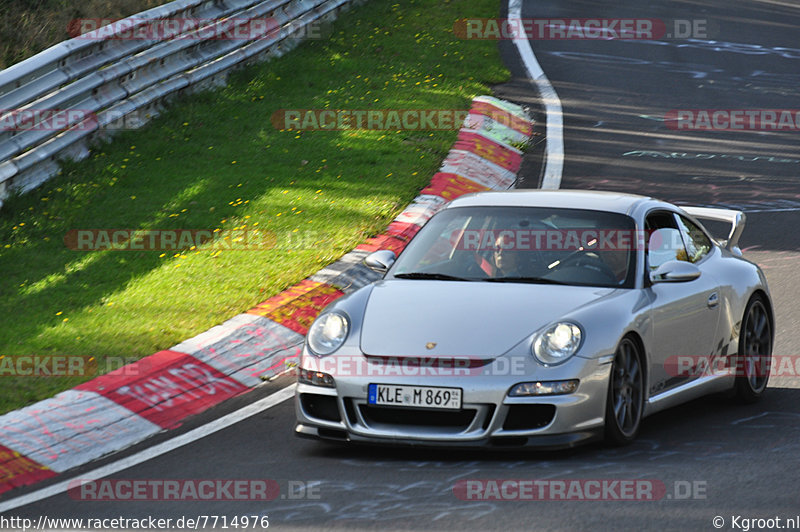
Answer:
(539, 318)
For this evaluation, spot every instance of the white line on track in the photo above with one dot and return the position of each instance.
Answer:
(156, 450)
(554, 150)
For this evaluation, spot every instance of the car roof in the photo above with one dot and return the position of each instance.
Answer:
(566, 199)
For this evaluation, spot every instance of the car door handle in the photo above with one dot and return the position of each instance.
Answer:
(713, 300)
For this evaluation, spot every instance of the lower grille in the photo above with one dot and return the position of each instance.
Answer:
(417, 417)
(529, 417)
(320, 406)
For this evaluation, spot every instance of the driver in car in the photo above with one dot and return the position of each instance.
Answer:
(617, 262)
(507, 261)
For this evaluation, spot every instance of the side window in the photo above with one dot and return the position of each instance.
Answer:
(664, 241)
(697, 243)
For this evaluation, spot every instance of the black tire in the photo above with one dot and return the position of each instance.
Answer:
(625, 401)
(755, 352)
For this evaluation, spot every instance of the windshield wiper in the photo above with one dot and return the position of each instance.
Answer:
(521, 279)
(430, 275)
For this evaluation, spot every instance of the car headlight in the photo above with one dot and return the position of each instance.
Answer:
(556, 344)
(327, 333)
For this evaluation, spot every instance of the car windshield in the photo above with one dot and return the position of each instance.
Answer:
(523, 245)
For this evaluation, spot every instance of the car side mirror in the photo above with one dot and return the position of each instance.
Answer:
(380, 261)
(675, 271)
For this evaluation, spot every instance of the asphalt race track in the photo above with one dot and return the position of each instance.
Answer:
(711, 458)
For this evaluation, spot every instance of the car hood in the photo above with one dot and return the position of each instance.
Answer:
(477, 319)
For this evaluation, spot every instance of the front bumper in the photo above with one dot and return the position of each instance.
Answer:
(488, 416)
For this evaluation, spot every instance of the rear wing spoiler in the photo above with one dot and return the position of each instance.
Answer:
(735, 218)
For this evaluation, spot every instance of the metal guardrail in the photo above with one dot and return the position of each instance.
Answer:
(112, 78)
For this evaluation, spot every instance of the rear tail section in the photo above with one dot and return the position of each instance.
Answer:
(735, 218)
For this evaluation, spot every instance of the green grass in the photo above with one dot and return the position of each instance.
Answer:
(214, 161)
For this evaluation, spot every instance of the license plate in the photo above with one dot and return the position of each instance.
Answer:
(419, 396)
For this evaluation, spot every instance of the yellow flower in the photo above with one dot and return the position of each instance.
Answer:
(59, 313)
